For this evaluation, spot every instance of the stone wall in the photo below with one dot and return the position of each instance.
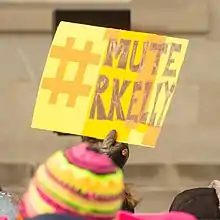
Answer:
(188, 151)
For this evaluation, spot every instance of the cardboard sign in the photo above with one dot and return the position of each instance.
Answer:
(98, 79)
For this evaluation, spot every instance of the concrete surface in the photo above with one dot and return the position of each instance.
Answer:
(155, 184)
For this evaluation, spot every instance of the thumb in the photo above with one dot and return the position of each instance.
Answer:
(109, 141)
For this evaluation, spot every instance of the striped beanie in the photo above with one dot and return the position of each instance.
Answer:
(78, 181)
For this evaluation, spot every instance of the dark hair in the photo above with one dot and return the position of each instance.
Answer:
(130, 199)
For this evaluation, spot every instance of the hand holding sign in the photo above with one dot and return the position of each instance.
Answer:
(98, 79)
(118, 152)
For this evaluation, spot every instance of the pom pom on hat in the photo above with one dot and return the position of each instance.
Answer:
(77, 181)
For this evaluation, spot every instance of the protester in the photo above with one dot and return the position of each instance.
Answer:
(78, 181)
(203, 203)
(119, 153)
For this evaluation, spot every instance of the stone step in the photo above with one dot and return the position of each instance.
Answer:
(147, 175)
(156, 200)
(15, 174)
(175, 175)
(152, 199)
(157, 184)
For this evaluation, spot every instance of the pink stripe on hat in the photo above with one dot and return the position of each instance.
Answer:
(161, 216)
(82, 157)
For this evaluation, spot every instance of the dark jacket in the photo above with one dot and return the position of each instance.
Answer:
(203, 203)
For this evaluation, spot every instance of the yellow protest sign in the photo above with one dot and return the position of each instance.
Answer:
(97, 79)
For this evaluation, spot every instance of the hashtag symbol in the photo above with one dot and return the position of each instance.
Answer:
(74, 88)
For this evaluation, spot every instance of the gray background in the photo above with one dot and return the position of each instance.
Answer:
(188, 150)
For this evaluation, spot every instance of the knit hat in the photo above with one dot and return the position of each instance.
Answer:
(77, 181)
(200, 202)
(159, 216)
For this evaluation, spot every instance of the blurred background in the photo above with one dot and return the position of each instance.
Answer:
(188, 151)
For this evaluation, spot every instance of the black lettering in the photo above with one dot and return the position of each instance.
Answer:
(101, 86)
(116, 96)
(169, 92)
(143, 113)
(137, 87)
(138, 67)
(174, 48)
(153, 113)
(159, 49)
(116, 51)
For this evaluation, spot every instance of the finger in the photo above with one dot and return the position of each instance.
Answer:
(110, 139)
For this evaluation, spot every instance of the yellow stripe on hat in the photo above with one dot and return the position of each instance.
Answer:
(69, 196)
(37, 202)
(85, 180)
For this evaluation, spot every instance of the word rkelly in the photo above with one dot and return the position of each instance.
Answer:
(117, 95)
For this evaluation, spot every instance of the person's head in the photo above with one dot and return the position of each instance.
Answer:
(78, 181)
(203, 203)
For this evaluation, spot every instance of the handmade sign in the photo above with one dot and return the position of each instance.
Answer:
(97, 79)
